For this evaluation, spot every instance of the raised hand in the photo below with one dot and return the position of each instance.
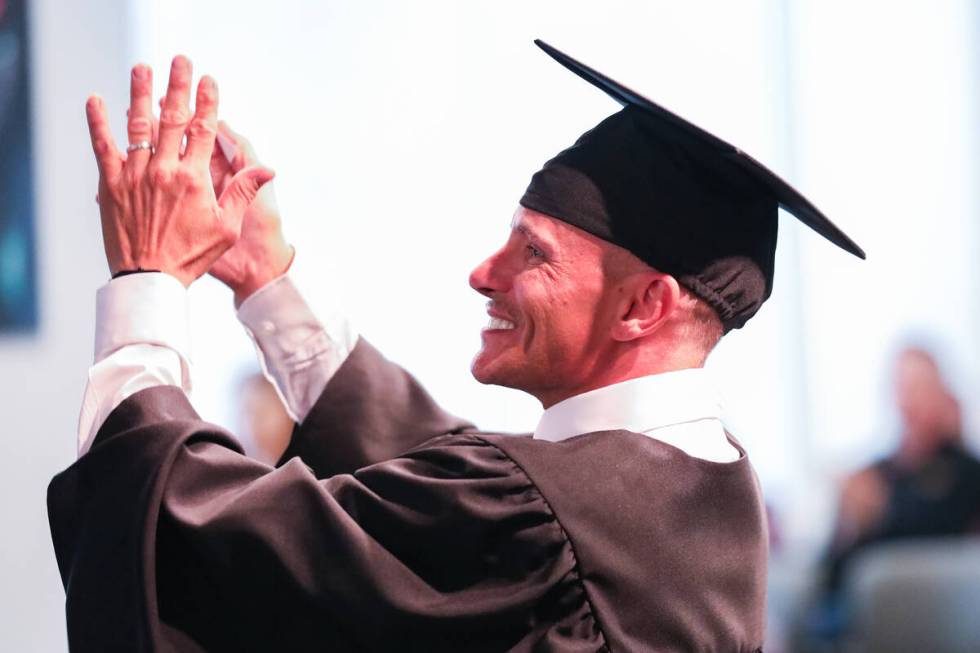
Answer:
(261, 253)
(158, 207)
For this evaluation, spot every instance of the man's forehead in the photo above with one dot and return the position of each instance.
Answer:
(521, 218)
(535, 224)
(530, 222)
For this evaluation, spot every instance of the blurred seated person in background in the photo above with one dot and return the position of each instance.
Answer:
(928, 487)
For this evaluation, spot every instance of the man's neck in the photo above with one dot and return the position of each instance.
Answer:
(552, 397)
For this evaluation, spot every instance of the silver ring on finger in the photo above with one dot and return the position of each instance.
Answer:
(141, 145)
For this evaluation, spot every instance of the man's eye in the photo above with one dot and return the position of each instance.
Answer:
(534, 251)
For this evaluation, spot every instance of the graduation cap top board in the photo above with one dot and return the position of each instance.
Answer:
(681, 199)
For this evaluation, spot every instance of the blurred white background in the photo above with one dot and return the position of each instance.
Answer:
(403, 134)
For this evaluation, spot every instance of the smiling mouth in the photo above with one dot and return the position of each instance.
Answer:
(497, 323)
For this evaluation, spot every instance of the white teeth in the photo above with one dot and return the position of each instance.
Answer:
(497, 323)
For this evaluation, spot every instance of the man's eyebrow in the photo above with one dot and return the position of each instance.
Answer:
(526, 232)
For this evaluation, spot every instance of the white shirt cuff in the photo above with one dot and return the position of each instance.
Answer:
(141, 341)
(299, 352)
(146, 308)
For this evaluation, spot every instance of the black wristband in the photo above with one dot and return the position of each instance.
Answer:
(123, 273)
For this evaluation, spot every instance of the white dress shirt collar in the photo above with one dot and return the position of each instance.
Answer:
(641, 405)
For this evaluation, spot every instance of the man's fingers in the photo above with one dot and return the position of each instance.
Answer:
(106, 154)
(175, 111)
(226, 149)
(204, 125)
(242, 189)
(219, 169)
(228, 140)
(139, 123)
(243, 154)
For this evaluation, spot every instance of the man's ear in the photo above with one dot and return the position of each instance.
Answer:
(652, 302)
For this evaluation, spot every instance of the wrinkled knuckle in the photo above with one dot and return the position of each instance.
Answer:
(174, 117)
(160, 175)
(101, 146)
(245, 192)
(206, 95)
(140, 125)
(251, 187)
(201, 128)
(188, 178)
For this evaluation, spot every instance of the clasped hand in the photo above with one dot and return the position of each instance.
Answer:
(158, 206)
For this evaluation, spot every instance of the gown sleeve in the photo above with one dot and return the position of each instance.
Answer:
(370, 410)
(167, 538)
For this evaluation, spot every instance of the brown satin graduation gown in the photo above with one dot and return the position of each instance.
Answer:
(393, 526)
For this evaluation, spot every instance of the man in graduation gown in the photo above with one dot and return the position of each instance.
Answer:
(629, 521)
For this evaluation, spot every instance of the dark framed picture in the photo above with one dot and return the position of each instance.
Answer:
(18, 279)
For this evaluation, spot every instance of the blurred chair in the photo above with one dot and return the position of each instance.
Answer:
(919, 596)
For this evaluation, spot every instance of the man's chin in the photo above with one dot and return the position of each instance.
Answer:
(481, 374)
(491, 371)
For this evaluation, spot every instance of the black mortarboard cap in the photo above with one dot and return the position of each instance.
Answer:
(681, 199)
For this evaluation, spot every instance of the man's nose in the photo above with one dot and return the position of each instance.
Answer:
(488, 278)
